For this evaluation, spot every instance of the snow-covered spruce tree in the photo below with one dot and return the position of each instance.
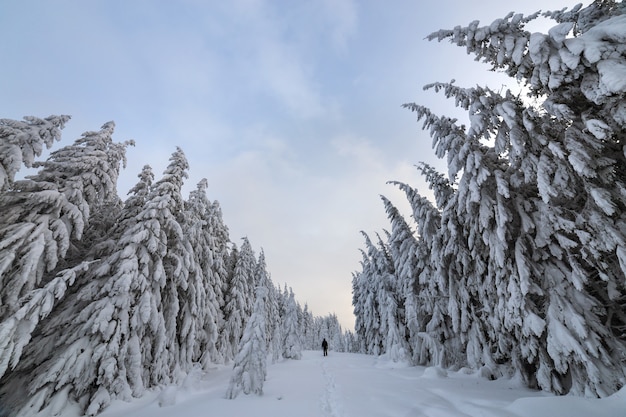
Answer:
(128, 215)
(219, 250)
(369, 321)
(178, 263)
(351, 342)
(320, 329)
(382, 289)
(118, 334)
(246, 266)
(238, 299)
(358, 304)
(22, 141)
(390, 304)
(224, 345)
(292, 344)
(402, 247)
(309, 341)
(430, 326)
(250, 365)
(474, 261)
(553, 178)
(273, 322)
(220, 261)
(139, 195)
(93, 162)
(43, 217)
(202, 311)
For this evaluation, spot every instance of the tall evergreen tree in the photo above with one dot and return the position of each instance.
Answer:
(402, 249)
(292, 344)
(219, 258)
(272, 309)
(238, 298)
(250, 366)
(203, 312)
(371, 317)
(309, 340)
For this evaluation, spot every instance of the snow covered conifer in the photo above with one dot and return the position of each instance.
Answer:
(369, 321)
(44, 215)
(22, 141)
(402, 247)
(429, 323)
(177, 263)
(250, 365)
(390, 305)
(238, 298)
(199, 314)
(335, 333)
(204, 307)
(272, 309)
(309, 338)
(292, 344)
(118, 333)
(219, 248)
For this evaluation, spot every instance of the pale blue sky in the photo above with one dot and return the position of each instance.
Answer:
(290, 109)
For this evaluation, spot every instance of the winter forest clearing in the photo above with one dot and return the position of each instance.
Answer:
(516, 270)
(356, 385)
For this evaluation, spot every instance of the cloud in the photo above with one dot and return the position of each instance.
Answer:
(342, 16)
(309, 225)
(285, 78)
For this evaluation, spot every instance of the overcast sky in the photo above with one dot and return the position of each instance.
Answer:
(290, 109)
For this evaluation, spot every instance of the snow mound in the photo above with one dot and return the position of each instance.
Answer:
(435, 372)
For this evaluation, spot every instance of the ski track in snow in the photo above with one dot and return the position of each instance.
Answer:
(330, 401)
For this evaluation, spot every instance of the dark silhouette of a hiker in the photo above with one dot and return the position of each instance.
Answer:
(325, 347)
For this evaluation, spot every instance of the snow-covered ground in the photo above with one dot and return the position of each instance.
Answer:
(345, 384)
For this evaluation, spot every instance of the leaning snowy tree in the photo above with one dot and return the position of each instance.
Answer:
(43, 216)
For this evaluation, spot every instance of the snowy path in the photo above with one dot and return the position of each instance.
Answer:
(331, 400)
(361, 385)
(351, 385)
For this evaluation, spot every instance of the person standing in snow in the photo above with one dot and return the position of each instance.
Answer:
(325, 347)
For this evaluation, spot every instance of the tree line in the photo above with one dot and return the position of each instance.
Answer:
(517, 265)
(103, 299)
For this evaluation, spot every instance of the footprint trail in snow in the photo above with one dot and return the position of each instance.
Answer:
(330, 401)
